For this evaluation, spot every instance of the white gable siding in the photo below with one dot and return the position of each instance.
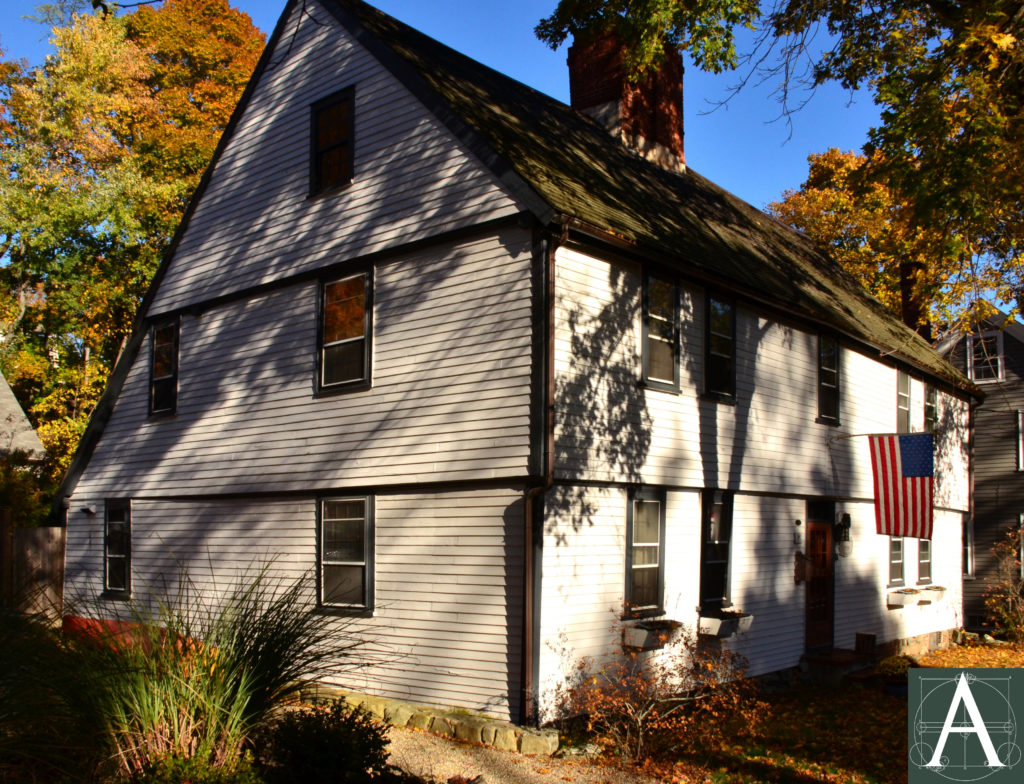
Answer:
(256, 222)
(447, 625)
(450, 397)
(611, 429)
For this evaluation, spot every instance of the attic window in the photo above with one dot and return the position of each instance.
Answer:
(985, 356)
(163, 368)
(333, 141)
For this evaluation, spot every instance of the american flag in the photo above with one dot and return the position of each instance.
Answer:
(904, 471)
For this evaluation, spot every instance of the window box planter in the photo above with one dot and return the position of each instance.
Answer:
(724, 625)
(934, 592)
(649, 635)
(902, 597)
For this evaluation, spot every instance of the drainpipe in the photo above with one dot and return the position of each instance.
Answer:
(533, 528)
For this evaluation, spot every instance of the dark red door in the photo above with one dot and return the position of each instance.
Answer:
(819, 586)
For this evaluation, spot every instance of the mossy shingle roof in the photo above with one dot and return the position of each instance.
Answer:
(563, 165)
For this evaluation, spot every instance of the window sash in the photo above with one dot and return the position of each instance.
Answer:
(924, 560)
(117, 546)
(645, 557)
(967, 560)
(345, 569)
(345, 318)
(661, 333)
(931, 408)
(985, 356)
(163, 367)
(902, 402)
(895, 560)
(828, 378)
(332, 132)
(716, 540)
(720, 348)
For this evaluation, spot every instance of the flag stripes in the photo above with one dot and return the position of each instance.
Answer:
(903, 471)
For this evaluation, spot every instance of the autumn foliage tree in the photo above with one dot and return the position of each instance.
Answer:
(919, 272)
(948, 78)
(101, 148)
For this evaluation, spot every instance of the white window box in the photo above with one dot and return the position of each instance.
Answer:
(649, 635)
(725, 626)
(903, 597)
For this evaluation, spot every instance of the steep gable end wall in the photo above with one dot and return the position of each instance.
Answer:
(256, 221)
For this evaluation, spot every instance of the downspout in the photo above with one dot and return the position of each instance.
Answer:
(533, 527)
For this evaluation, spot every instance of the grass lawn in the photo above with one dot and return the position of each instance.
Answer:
(814, 734)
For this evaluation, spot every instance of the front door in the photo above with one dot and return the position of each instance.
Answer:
(819, 585)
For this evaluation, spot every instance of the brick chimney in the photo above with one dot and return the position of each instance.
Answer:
(647, 116)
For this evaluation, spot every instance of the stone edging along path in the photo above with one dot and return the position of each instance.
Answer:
(450, 724)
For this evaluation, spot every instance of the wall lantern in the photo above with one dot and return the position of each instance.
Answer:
(798, 538)
(841, 535)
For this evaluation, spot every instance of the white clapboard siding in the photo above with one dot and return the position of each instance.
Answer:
(256, 222)
(608, 428)
(450, 396)
(447, 624)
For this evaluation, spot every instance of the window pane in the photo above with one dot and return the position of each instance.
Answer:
(343, 585)
(645, 588)
(344, 309)
(163, 394)
(332, 124)
(163, 351)
(117, 539)
(712, 583)
(347, 509)
(343, 362)
(646, 522)
(333, 166)
(828, 354)
(645, 555)
(343, 540)
(661, 360)
(720, 317)
(117, 574)
(985, 357)
(720, 374)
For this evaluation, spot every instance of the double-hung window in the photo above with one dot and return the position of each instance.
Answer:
(716, 535)
(895, 560)
(332, 141)
(661, 333)
(967, 545)
(1020, 440)
(117, 547)
(902, 402)
(346, 553)
(931, 408)
(345, 332)
(828, 379)
(924, 560)
(720, 349)
(645, 553)
(985, 356)
(163, 367)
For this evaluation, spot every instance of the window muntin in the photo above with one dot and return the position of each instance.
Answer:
(985, 356)
(720, 349)
(716, 535)
(163, 368)
(344, 332)
(924, 560)
(117, 546)
(828, 379)
(661, 333)
(895, 560)
(645, 553)
(902, 402)
(931, 408)
(332, 138)
(346, 553)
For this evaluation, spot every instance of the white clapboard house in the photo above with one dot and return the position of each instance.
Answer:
(494, 370)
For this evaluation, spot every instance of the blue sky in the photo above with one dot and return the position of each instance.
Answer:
(737, 146)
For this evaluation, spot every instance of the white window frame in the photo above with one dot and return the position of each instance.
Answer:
(924, 546)
(366, 563)
(999, 357)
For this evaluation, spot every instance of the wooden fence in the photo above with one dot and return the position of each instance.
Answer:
(31, 567)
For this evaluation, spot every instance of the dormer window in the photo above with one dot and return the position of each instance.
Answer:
(333, 141)
(985, 356)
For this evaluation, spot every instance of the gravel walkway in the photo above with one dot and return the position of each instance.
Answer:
(438, 759)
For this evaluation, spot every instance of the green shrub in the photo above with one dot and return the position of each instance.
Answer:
(896, 666)
(333, 743)
(192, 770)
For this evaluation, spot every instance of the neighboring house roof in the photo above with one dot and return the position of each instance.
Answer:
(563, 165)
(996, 320)
(16, 431)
